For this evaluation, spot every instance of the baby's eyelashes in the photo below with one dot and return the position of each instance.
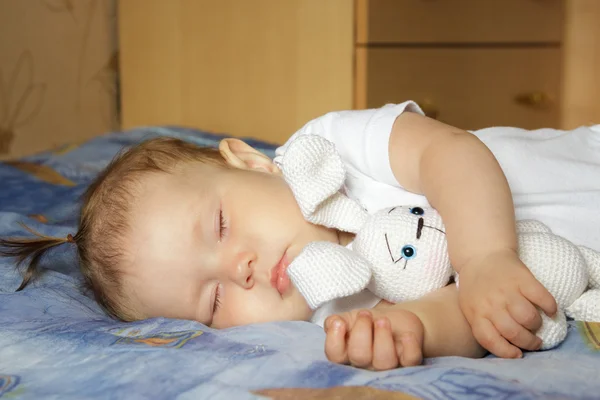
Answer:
(217, 298)
(214, 303)
(222, 225)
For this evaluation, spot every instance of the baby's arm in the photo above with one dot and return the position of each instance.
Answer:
(392, 335)
(462, 179)
(445, 328)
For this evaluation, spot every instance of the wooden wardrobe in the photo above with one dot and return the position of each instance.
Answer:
(263, 68)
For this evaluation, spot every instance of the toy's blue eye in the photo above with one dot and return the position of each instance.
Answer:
(409, 252)
(417, 211)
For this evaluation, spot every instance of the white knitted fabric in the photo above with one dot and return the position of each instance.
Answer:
(407, 251)
(400, 253)
(561, 268)
(324, 271)
(315, 173)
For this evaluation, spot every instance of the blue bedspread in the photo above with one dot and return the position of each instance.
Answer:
(55, 342)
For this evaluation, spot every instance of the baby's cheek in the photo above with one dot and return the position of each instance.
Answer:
(297, 307)
(234, 315)
(236, 311)
(240, 306)
(243, 307)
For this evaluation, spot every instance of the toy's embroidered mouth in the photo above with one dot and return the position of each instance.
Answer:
(387, 242)
(433, 227)
(420, 226)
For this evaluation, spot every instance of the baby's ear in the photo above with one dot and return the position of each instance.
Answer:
(239, 154)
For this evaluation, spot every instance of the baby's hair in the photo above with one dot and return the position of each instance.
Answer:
(104, 219)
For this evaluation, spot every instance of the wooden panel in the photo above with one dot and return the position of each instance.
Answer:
(150, 62)
(456, 21)
(258, 68)
(58, 74)
(361, 60)
(468, 88)
(581, 99)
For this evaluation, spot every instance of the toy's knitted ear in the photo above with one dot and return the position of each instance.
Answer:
(315, 172)
(325, 271)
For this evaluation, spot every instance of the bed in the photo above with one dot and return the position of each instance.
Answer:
(55, 342)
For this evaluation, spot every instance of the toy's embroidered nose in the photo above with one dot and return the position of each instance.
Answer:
(420, 228)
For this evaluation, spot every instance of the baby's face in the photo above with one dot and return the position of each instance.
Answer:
(211, 244)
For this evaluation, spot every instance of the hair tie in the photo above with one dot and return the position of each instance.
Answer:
(70, 238)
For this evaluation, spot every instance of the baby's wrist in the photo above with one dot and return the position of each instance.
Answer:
(478, 262)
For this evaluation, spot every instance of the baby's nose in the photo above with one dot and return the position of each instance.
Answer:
(243, 269)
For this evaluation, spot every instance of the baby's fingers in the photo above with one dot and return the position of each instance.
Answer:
(360, 342)
(335, 341)
(538, 295)
(410, 352)
(514, 332)
(525, 313)
(489, 338)
(384, 348)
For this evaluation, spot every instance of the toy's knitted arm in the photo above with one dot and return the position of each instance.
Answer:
(531, 226)
(325, 271)
(587, 306)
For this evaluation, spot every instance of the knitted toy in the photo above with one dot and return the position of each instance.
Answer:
(400, 253)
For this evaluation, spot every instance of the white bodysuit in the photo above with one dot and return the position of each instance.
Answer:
(554, 175)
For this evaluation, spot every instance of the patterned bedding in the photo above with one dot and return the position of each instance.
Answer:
(55, 342)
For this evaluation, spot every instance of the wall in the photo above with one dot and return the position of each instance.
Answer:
(57, 72)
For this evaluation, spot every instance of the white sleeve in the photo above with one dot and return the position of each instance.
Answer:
(361, 137)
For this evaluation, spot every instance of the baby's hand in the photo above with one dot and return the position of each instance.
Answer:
(378, 339)
(498, 296)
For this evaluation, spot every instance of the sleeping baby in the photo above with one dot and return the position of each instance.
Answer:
(170, 229)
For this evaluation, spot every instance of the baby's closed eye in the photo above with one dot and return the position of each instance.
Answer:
(222, 225)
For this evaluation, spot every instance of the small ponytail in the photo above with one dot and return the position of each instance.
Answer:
(30, 249)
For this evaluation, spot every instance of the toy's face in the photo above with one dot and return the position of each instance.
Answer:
(408, 250)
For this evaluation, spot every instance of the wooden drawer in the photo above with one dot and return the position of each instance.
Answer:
(468, 88)
(456, 21)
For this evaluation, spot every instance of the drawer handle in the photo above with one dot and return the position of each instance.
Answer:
(537, 100)
(429, 108)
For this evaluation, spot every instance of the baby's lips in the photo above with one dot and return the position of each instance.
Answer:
(283, 283)
(279, 277)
